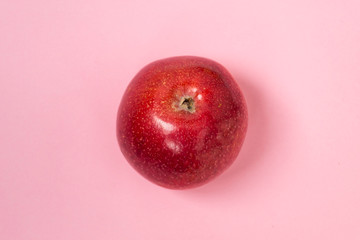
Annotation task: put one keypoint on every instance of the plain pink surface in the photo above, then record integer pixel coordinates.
(65, 64)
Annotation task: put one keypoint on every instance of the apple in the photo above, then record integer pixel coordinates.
(182, 121)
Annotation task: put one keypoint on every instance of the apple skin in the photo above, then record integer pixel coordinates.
(182, 121)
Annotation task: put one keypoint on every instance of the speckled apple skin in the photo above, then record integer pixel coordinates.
(175, 148)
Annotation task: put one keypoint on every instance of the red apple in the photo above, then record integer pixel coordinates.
(182, 121)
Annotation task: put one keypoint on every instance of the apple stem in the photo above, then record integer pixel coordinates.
(187, 104)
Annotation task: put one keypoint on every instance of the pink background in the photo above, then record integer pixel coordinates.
(65, 64)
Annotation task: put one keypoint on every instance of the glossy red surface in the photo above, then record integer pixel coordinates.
(182, 121)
